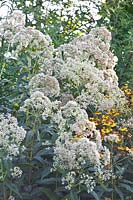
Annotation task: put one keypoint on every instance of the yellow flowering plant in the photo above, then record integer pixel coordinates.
(116, 130)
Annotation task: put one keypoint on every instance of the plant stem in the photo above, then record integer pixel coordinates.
(113, 189)
(4, 190)
(31, 152)
(3, 179)
(79, 193)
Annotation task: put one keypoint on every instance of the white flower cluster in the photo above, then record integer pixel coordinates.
(97, 45)
(74, 154)
(88, 181)
(70, 179)
(11, 136)
(75, 6)
(87, 63)
(49, 85)
(13, 24)
(16, 172)
(72, 110)
(83, 70)
(67, 115)
(37, 104)
(129, 123)
(78, 147)
(13, 31)
(87, 129)
(105, 175)
(111, 138)
(85, 179)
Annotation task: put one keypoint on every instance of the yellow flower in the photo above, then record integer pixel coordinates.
(92, 119)
(116, 114)
(110, 123)
(128, 92)
(131, 150)
(119, 139)
(131, 100)
(123, 129)
(124, 87)
(97, 113)
(113, 112)
(123, 148)
(106, 130)
(95, 120)
(78, 136)
(105, 117)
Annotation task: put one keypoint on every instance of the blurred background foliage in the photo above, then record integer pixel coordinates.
(61, 19)
(117, 16)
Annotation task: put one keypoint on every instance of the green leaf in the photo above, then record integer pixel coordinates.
(47, 181)
(50, 194)
(73, 195)
(46, 172)
(119, 192)
(127, 181)
(13, 188)
(39, 159)
(94, 194)
(127, 187)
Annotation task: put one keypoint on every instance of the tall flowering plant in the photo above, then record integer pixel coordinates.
(72, 97)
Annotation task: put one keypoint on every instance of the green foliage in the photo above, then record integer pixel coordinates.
(62, 27)
(117, 15)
